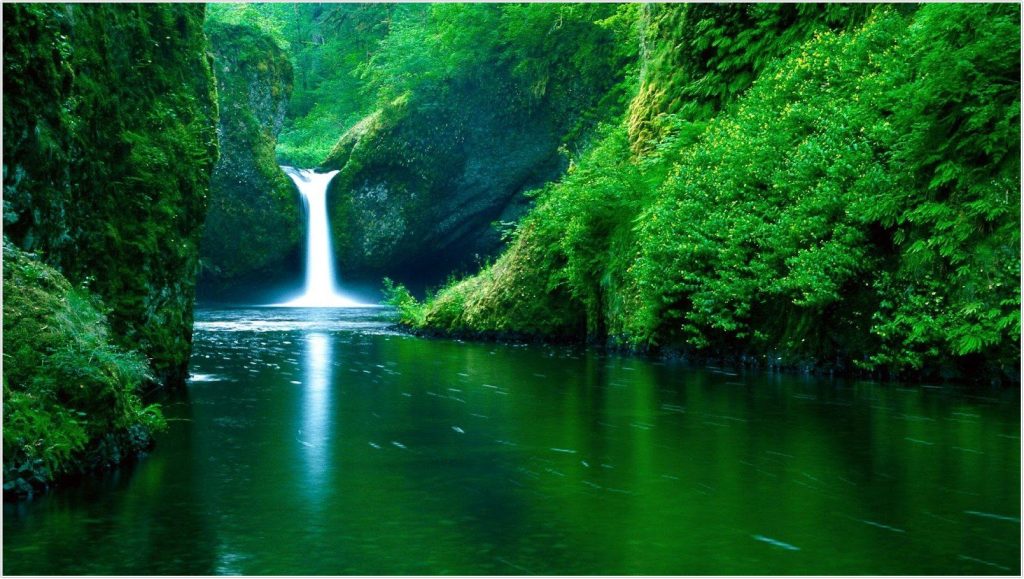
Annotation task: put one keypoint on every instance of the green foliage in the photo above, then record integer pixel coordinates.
(840, 186)
(66, 388)
(330, 42)
(353, 59)
(952, 200)
(246, 17)
(586, 214)
(563, 57)
(327, 45)
(699, 57)
(409, 308)
(755, 216)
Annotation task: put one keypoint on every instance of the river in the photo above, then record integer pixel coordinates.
(321, 442)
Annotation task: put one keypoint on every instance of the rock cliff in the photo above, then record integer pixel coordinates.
(255, 216)
(420, 187)
(109, 140)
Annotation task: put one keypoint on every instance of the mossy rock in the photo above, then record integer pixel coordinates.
(255, 216)
(423, 179)
(109, 140)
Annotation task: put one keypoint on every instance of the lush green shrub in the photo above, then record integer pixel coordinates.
(858, 205)
(71, 399)
(754, 223)
(859, 171)
(952, 197)
(699, 57)
(409, 308)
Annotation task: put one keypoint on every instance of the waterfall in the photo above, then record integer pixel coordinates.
(321, 286)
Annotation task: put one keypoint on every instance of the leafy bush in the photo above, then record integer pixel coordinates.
(701, 57)
(952, 197)
(409, 308)
(856, 203)
(70, 397)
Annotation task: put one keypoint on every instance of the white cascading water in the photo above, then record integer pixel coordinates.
(321, 288)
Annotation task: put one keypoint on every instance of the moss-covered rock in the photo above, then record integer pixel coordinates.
(254, 221)
(515, 297)
(420, 186)
(109, 140)
(70, 396)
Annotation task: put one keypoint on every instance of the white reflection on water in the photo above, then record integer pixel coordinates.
(314, 437)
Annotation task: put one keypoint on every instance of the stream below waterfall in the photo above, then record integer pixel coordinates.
(318, 441)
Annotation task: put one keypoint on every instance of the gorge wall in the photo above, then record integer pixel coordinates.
(254, 224)
(109, 141)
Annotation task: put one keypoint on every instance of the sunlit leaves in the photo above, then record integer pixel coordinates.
(851, 192)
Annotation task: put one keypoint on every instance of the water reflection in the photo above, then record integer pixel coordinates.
(315, 433)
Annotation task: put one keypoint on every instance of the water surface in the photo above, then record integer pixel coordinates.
(320, 442)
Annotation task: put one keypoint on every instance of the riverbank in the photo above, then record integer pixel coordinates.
(768, 361)
(796, 217)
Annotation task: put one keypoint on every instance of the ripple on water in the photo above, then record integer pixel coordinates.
(292, 320)
(287, 325)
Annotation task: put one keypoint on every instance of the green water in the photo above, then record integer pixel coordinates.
(321, 443)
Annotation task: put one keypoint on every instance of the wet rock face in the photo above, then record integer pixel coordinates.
(254, 220)
(109, 140)
(421, 187)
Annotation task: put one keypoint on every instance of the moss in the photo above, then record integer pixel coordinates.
(109, 140)
(70, 396)
(359, 135)
(423, 178)
(254, 217)
(520, 294)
